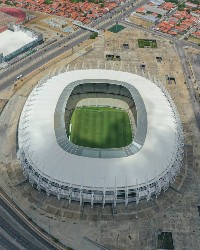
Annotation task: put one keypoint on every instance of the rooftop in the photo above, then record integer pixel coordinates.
(11, 41)
(97, 171)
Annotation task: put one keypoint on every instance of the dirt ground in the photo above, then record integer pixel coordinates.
(174, 211)
(39, 24)
(5, 19)
(140, 21)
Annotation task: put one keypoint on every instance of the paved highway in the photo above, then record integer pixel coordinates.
(10, 238)
(16, 233)
(42, 56)
(10, 235)
(187, 73)
(179, 44)
(163, 35)
(6, 242)
(42, 52)
(29, 65)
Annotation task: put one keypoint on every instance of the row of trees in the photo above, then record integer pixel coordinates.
(172, 1)
(9, 3)
(195, 2)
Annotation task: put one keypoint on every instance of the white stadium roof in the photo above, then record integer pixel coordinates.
(47, 158)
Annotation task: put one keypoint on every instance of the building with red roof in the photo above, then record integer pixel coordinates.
(67, 8)
(196, 34)
(167, 6)
(141, 10)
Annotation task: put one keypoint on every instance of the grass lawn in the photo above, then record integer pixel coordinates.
(116, 28)
(100, 127)
(147, 43)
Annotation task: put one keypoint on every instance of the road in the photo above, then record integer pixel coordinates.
(15, 232)
(179, 44)
(12, 237)
(6, 242)
(163, 35)
(29, 65)
(50, 52)
(187, 73)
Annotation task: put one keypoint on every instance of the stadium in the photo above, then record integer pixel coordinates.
(64, 124)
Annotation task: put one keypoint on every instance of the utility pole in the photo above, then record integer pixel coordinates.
(11, 192)
(49, 227)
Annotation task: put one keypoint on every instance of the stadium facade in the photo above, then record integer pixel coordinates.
(138, 171)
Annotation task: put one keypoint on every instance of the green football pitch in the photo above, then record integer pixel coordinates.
(100, 127)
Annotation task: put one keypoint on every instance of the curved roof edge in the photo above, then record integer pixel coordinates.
(68, 146)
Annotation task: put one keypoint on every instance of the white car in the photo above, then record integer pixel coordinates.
(20, 76)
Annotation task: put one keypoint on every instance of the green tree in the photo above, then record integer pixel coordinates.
(47, 1)
(181, 6)
(93, 35)
(195, 2)
(8, 3)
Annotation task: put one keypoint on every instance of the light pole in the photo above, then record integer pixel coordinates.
(11, 192)
(49, 227)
